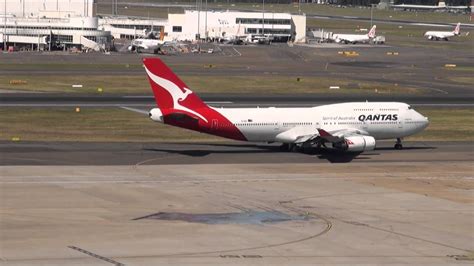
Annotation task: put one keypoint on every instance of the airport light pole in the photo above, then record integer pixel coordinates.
(263, 17)
(198, 8)
(5, 27)
(371, 14)
(205, 23)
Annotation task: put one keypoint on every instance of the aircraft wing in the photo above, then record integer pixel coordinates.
(340, 135)
(300, 135)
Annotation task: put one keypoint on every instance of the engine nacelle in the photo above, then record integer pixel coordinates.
(356, 144)
(156, 115)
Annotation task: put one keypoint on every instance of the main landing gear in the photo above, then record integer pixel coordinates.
(289, 147)
(398, 145)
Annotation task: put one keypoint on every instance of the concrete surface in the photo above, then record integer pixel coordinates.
(98, 153)
(365, 213)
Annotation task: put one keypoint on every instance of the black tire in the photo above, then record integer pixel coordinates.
(398, 146)
(285, 147)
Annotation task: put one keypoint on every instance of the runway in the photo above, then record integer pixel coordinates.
(228, 100)
(83, 153)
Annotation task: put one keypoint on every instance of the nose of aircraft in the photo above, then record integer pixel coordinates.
(423, 120)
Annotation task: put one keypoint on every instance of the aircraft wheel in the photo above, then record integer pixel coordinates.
(398, 145)
(294, 148)
(285, 147)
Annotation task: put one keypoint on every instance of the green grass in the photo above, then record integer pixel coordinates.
(447, 124)
(113, 124)
(313, 9)
(464, 80)
(91, 124)
(137, 84)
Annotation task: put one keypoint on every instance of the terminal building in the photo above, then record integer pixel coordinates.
(63, 24)
(51, 24)
(193, 25)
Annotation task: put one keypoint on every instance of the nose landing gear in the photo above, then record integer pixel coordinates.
(398, 145)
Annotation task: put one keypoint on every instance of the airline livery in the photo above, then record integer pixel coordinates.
(351, 127)
(443, 35)
(354, 38)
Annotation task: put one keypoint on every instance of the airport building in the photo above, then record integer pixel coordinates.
(216, 24)
(121, 27)
(192, 25)
(51, 24)
(62, 24)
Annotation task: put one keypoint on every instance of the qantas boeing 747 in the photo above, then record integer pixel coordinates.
(348, 127)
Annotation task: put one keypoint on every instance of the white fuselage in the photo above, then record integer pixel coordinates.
(350, 38)
(380, 120)
(439, 34)
(149, 44)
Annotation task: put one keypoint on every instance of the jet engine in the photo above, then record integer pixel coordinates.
(156, 115)
(356, 144)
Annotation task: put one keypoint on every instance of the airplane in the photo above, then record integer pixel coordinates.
(354, 38)
(352, 127)
(443, 35)
(441, 6)
(150, 43)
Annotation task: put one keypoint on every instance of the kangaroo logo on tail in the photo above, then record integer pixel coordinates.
(371, 33)
(176, 93)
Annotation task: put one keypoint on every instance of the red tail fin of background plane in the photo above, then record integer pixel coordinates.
(371, 33)
(457, 30)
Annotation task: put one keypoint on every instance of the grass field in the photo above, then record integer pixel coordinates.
(309, 9)
(110, 124)
(136, 84)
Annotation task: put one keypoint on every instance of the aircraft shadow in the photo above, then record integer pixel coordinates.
(202, 152)
(406, 148)
(329, 155)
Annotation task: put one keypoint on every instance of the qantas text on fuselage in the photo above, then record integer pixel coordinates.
(352, 127)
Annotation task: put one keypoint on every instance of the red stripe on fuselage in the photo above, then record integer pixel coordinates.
(216, 124)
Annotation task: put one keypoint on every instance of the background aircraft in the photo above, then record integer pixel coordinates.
(150, 43)
(354, 38)
(443, 35)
